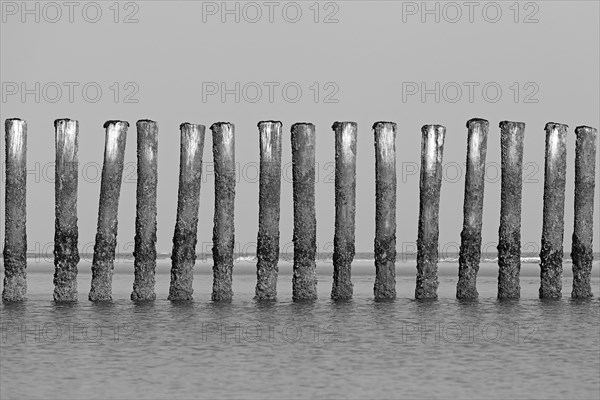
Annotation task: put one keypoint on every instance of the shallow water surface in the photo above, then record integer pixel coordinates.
(246, 349)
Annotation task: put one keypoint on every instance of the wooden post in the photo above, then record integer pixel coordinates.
(145, 212)
(432, 151)
(269, 208)
(583, 232)
(509, 233)
(15, 236)
(66, 254)
(183, 256)
(470, 245)
(385, 210)
(345, 209)
(110, 190)
(223, 230)
(304, 282)
(551, 253)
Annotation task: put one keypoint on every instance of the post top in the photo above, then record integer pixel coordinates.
(145, 121)
(307, 125)
(520, 125)
(555, 125)
(115, 122)
(477, 121)
(339, 124)
(15, 124)
(585, 129)
(269, 121)
(383, 124)
(65, 120)
(191, 126)
(221, 125)
(436, 127)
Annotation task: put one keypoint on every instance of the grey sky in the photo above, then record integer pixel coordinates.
(361, 61)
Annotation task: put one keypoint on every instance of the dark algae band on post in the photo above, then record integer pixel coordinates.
(509, 233)
(145, 211)
(583, 229)
(183, 256)
(267, 249)
(110, 191)
(345, 208)
(66, 254)
(223, 134)
(304, 281)
(551, 253)
(385, 210)
(15, 212)
(432, 151)
(470, 245)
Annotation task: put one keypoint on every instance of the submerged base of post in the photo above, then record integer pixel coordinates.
(342, 288)
(267, 267)
(551, 275)
(583, 257)
(509, 280)
(469, 258)
(101, 289)
(427, 280)
(385, 269)
(65, 285)
(305, 283)
(145, 289)
(15, 287)
(182, 274)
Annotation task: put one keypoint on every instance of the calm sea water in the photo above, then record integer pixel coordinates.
(245, 349)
